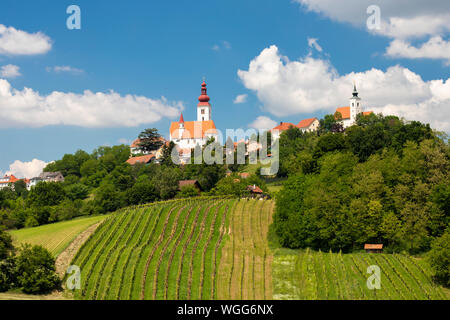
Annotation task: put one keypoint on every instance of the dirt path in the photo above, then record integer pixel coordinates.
(64, 259)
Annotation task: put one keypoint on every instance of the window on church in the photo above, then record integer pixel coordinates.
(203, 118)
(203, 111)
(353, 104)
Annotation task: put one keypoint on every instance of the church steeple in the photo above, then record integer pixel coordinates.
(204, 107)
(355, 104)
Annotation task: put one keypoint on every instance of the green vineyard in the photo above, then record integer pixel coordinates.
(179, 250)
(218, 248)
(309, 275)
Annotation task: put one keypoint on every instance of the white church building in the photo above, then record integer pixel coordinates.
(187, 134)
(349, 113)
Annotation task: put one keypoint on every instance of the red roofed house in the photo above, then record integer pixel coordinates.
(134, 148)
(280, 128)
(7, 181)
(349, 113)
(142, 159)
(187, 134)
(309, 125)
(255, 191)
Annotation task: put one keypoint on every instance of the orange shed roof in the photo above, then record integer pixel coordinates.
(368, 246)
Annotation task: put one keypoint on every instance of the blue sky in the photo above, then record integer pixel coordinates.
(157, 49)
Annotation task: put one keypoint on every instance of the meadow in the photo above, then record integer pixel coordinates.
(54, 237)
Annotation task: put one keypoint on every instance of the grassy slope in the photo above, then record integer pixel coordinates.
(306, 274)
(55, 237)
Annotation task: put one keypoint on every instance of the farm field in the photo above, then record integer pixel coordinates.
(57, 236)
(310, 275)
(185, 249)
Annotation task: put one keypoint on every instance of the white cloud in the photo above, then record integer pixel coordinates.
(27, 169)
(312, 43)
(242, 98)
(10, 71)
(310, 85)
(400, 20)
(435, 48)
(263, 123)
(28, 108)
(67, 69)
(18, 42)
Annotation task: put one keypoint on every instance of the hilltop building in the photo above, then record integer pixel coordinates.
(7, 181)
(349, 113)
(187, 134)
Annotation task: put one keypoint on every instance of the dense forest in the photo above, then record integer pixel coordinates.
(380, 181)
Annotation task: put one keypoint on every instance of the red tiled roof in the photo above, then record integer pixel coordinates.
(11, 179)
(367, 113)
(344, 111)
(284, 126)
(373, 246)
(306, 123)
(136, 143)
(142, 159)
(255, 189)
(244, 175)
(193, 129)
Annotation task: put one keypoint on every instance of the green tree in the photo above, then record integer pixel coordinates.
(35, 270)
(150, 140)
(143, 191)
(188, 192)
(439, 259)
(46, 194)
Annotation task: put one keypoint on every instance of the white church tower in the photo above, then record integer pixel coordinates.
(204, 107)
(355, 105)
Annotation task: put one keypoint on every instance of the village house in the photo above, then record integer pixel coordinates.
(134, 148)
(309, 125)
(51, 176)
(255, 191)
(7, 181)
(142, 159)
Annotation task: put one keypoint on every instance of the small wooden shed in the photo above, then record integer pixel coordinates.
(194, 183)
(373, 248)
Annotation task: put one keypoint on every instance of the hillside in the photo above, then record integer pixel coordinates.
(311, 275)
(55, 237)
(173, 250)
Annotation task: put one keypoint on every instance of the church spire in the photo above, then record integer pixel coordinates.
(355, 92)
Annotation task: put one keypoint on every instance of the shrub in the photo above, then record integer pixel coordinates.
(439, 259)
(35, 270)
